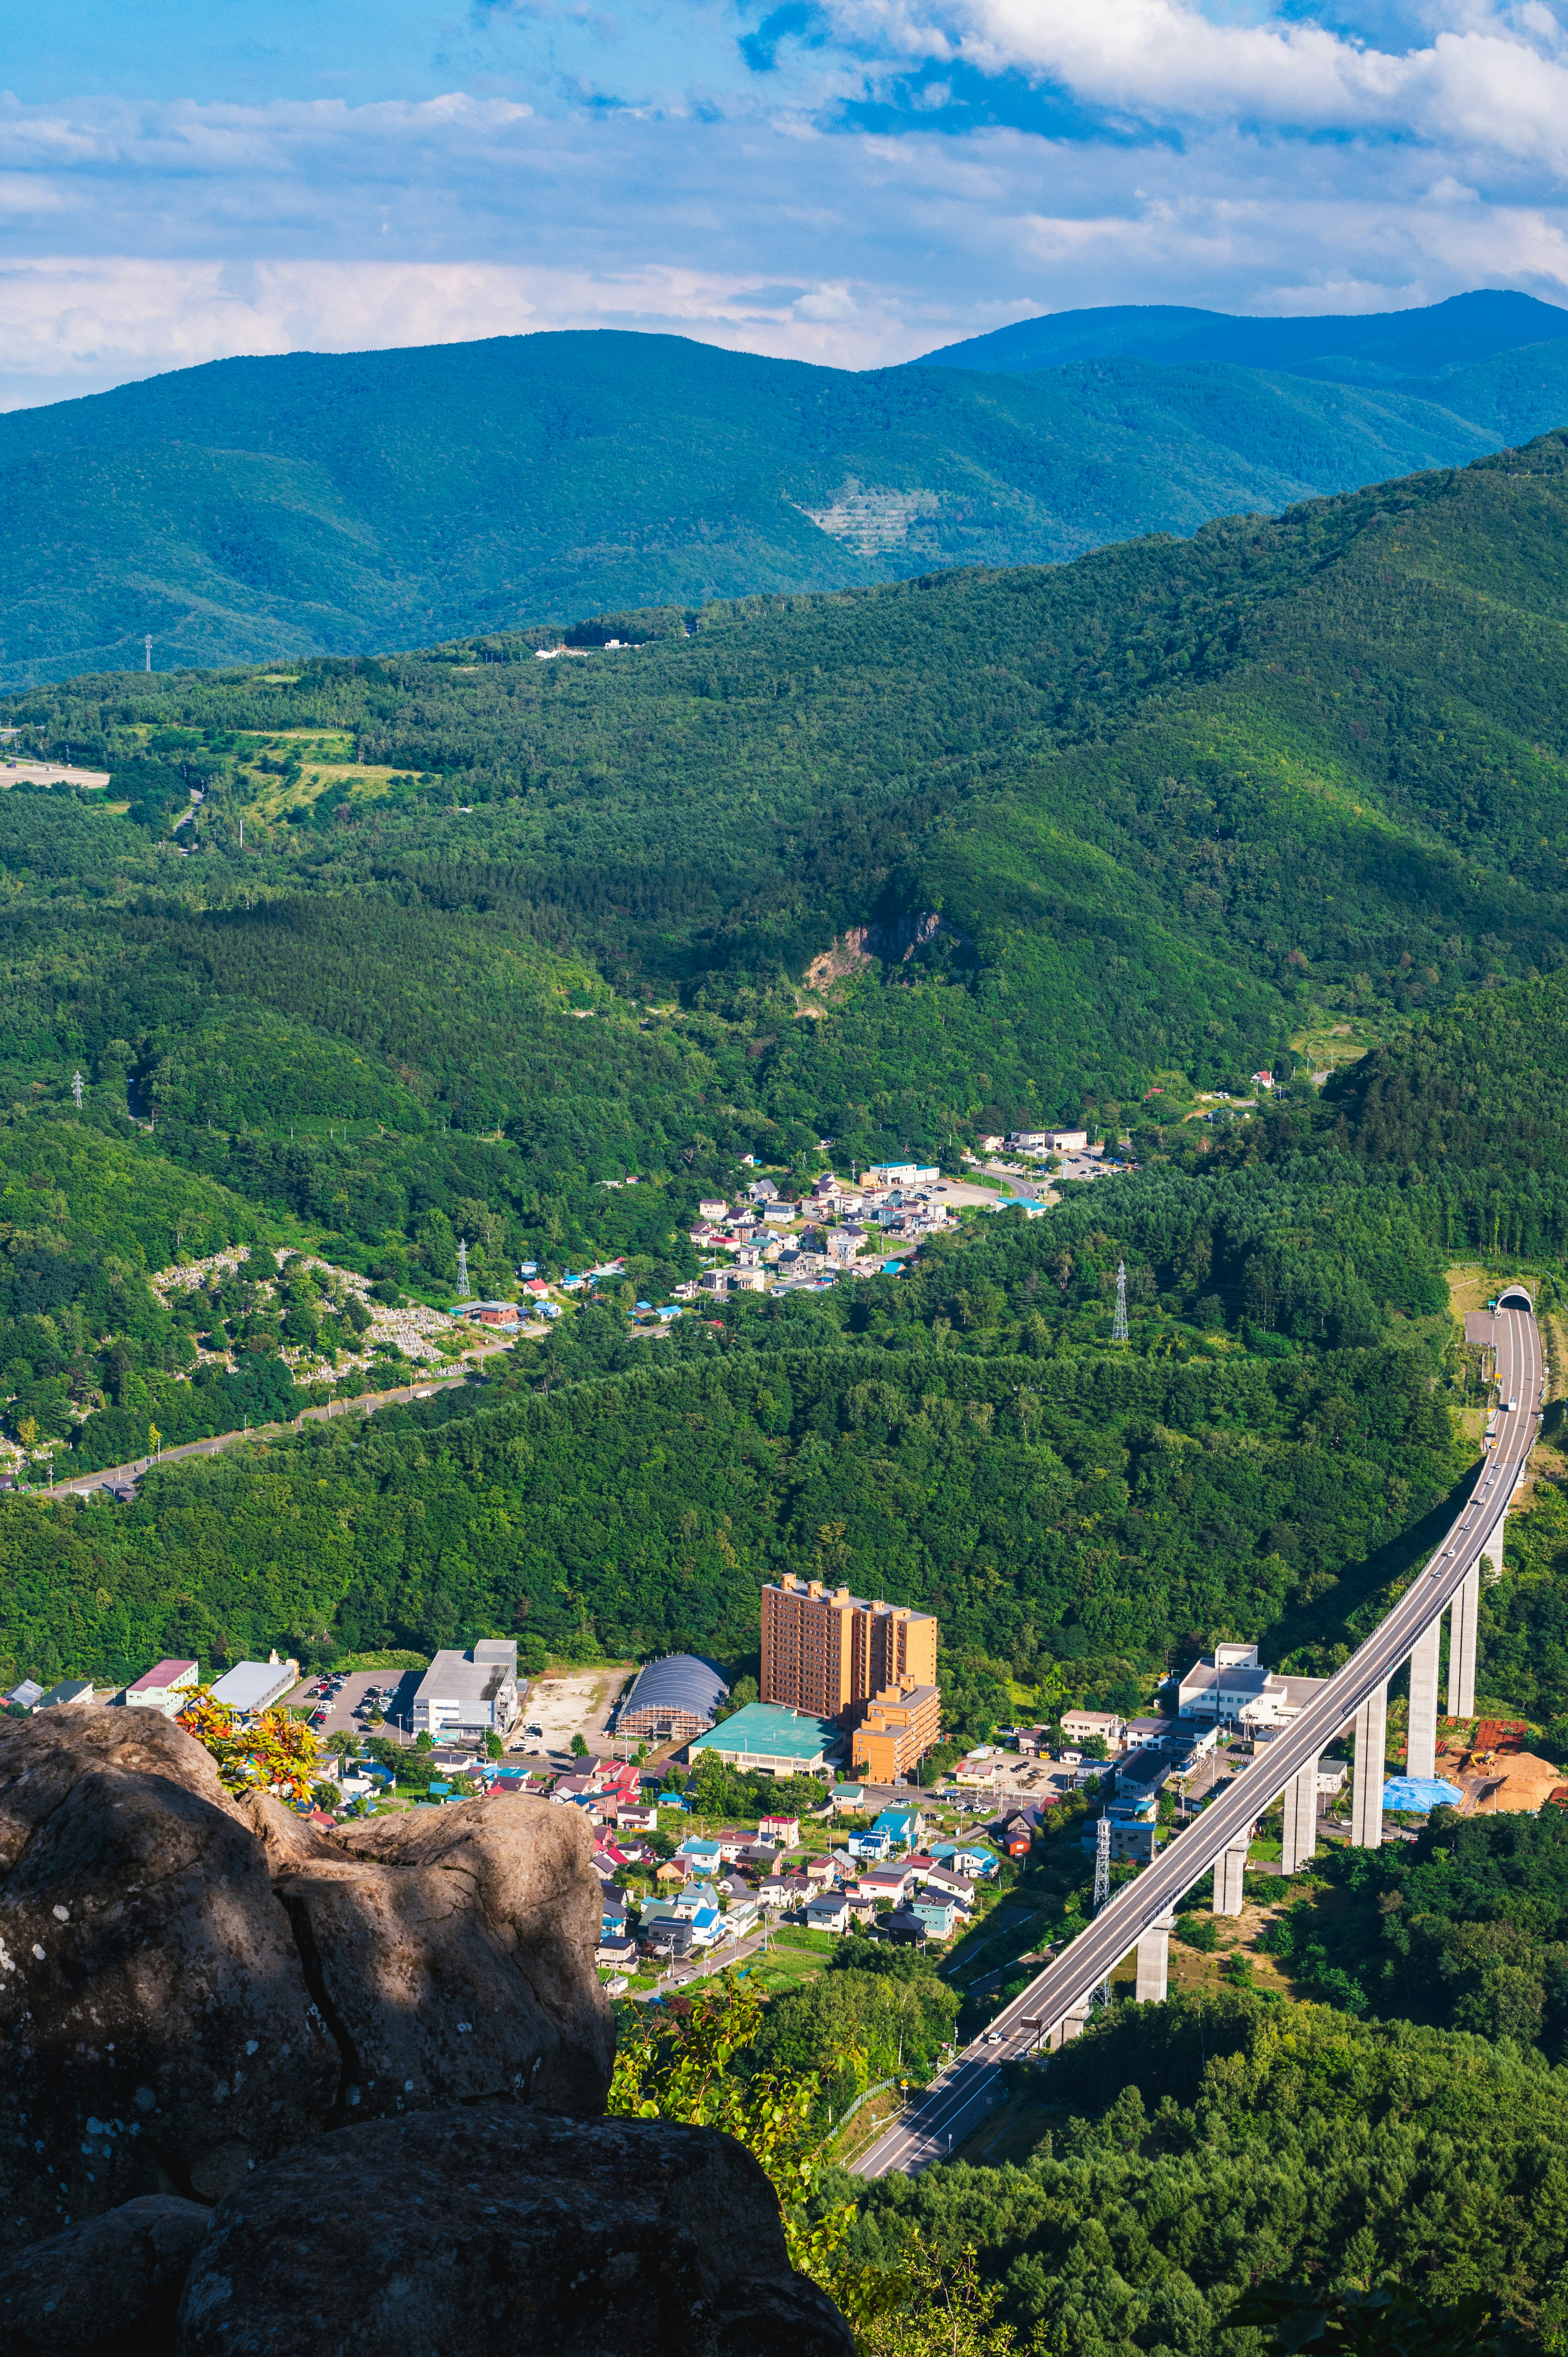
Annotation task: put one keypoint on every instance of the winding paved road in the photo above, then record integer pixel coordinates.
(957, 2102)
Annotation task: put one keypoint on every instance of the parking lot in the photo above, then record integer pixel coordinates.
(396, 1688)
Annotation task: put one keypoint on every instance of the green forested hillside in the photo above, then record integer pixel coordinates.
(341, 504)
(1165, 802)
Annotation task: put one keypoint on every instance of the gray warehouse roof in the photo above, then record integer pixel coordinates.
(680, 1679)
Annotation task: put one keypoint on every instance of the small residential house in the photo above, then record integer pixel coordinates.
(1141, 1732)
(619, 1951)
(167, 1686)
(820, 1872)
(937, 1913)
(71, 1694)
(829, 1912)
(783, 1832)
(902, 1826)
(1082, 1725)
(849, 1799)
(874, 1843)
(904, 1925)
(700, 1857)
(23, 1695)
(885, 1882)
(969, 1858)
(947, 1883)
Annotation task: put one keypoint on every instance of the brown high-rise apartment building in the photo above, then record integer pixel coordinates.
(829, 1652)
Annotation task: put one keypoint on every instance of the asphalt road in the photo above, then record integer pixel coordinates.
(957, 2102)
(83, 1484)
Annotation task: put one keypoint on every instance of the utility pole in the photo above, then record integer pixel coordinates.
(1118, 1325)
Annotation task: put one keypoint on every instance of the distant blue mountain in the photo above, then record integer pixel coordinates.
(1381, 348)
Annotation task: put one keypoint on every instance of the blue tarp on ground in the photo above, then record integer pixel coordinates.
(1420, 1792)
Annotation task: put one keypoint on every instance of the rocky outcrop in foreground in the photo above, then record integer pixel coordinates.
(267, 2090)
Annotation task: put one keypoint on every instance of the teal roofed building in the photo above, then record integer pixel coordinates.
(766, 1737)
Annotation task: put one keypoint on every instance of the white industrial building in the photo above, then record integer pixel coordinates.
(469, 1694)
(1231, 1686)
(251, 1687)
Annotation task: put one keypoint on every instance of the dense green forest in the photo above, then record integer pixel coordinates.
(347, 503)
(1226, 2141)
(1468, 1931)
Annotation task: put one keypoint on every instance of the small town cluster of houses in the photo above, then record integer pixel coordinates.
(772, 1244)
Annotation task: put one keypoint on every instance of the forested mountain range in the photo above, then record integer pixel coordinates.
(1389, 348)
(1165, 803)
(348, 503)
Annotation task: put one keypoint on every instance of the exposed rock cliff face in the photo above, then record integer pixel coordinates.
(109, 2287)
(507, 2229)
(156, 2034)
(451, 1953)
(196, 1994)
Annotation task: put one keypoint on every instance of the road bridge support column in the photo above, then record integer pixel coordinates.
(1492, 1555)
(1367, 1789)
(1068, 2026)
(1299, 1841)
(1229, 1869)
(1461, 1616)
(1421, 1746)
(1154, 1952)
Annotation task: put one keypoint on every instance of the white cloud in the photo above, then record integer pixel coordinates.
(1492, 82)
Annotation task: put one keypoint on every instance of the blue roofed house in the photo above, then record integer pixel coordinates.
(700, 1856)
(902, 1826)
(876, 1843)
(967, 1857)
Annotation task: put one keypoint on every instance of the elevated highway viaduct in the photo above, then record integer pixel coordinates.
(1056, 2003)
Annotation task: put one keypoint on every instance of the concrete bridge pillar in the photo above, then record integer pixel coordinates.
(1154, 1952)
(1228, 1868)
(1367, 1789)
(1492, 1555)
(1420, 1749)
(1299, 1842)
(1461, 1616)
(1068, 2026)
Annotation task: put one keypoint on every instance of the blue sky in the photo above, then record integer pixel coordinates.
(848, 181)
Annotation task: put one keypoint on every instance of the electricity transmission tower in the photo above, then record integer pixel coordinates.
(147, 650)
(1103, 1888)
(1119, 1329)
(462, 1263)
(76, 1088)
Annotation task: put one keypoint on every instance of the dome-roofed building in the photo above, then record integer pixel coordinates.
(673, 1699)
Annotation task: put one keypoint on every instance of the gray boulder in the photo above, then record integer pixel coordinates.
(500, 2227)
(108, 2287)
(156, 2034)
(451, 1952)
